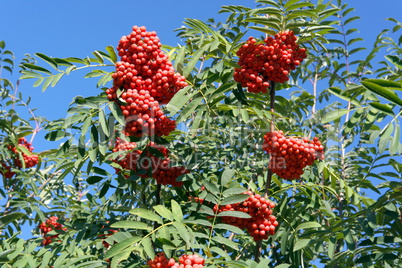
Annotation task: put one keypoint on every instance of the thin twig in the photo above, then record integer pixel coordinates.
(258, 248)
(272, 129)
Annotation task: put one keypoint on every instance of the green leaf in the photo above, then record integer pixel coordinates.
(104, 189)
(179, 100)
(13, 216)
(302, 243)
(295, 14)
(176, 210)
(283, 265)
(60, 259)
(383, 92)
(94, 179)
(46, 84)
(164, 212)
(307, 225)
(354, 40)
(85, 126)
(56, 79)
(147, 244)
(56, 135)
(103, 122)
(395, 60)
(269, 2)
(385, 137)
(338, 92)
(98, 56)
(237, 198)
(334, 115)
(112, 53)
(356, 50)
(189, 109)
(351, 19)
(236, 214)
(76, 60)
(195, 58)
(211, 187)
(131, 225)
(116, 111)
(239, 94)
(4, 253)
(270, 22)
(290, 2)
(267, 10)
(231, 191)
(385, 83)
(225, 241)
(264, 263)
(227, 176)
(104, 80)
(165, 241)
(229, 227)
(182, 231)
(146, 214)
(382, 107)
(395, 140)
(292, 7)
(264, 30)
(37, 68)
(119, 247)
(77, 260)
(94, 73)
(49, 60)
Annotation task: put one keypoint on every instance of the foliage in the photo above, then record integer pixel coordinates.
(345, 211)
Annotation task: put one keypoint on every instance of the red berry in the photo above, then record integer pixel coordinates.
(290, 155)
(269, 61)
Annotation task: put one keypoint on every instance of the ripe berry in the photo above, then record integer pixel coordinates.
(144, 80)
(261, 224)
(19, 159)
(269, 61)
(49, 225)
(146, 164)
(289, 156)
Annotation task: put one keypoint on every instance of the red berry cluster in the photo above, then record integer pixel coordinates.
(146, 79)
(261, 224)
(269, 61)
(128, 159)
(157, 167)
(190, 261)
(169, 175)
(290, 155)
(185, 261)
(50, 225)
(30, 160)
(6, 171)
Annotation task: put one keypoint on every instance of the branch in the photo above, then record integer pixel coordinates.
(258, 248)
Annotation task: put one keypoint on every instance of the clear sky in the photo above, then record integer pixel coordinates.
(77, 28)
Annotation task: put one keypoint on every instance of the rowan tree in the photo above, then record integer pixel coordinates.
(268, 139)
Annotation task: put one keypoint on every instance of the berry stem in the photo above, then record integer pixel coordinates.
(272, 104)
(158, 200)
(258, 245)
(258, 249)
(272, 129)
